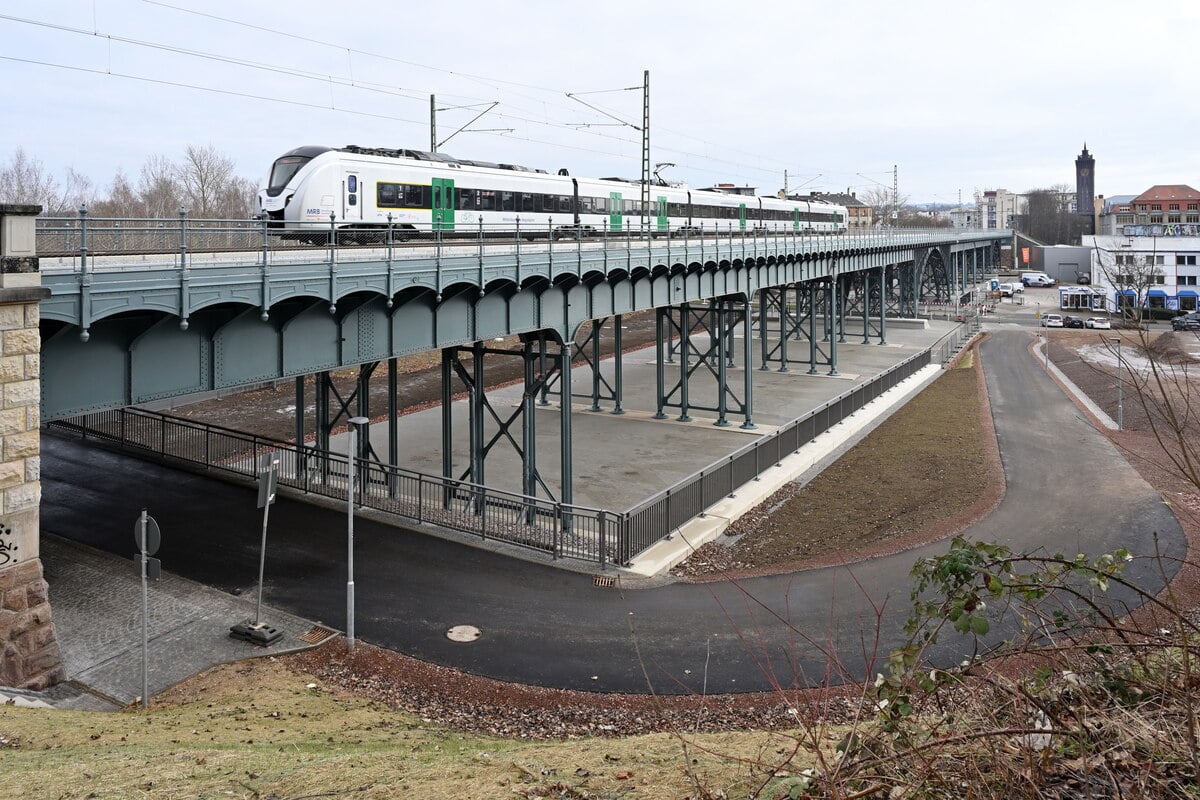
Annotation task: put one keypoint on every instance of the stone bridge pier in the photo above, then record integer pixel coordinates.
(29, 651)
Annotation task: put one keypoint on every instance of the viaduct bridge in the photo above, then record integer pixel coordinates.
(125, 318)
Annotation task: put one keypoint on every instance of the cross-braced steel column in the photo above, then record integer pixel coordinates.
(588, 351)
(481, 442)
(791, 324)
(715, 356)
(331, 406)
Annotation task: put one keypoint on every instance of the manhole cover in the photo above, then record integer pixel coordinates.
(463, 633)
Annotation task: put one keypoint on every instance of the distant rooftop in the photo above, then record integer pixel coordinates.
(1165, 192)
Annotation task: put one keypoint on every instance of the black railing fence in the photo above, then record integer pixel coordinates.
(559, 530)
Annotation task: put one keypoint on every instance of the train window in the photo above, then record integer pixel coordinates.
(487, 200)
(586, 205)
(530, 202)
(601, 204)
(352, 199)
(284, 170)
(507, 201)
(352, 183)
(387, 195)
(564, 203)
(466, 199)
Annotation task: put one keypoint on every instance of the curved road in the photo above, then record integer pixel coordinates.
(1068, 489)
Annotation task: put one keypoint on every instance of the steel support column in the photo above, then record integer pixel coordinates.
(747, 373)
(565, 443)
(618, 367)
(831, 295)
(719, 321)
(447, 423)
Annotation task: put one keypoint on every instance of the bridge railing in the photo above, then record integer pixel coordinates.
(661, 515)
(84, 242)
(560, 530)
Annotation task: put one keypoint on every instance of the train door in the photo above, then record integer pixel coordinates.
(660, 208)
(741, 216)
(351, 197)
(443, 204)
(615, 207)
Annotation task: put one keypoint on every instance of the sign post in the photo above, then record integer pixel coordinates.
(147, 536)
(257, 631)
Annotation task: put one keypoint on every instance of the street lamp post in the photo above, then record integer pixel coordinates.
(1120, 400)
(355, 422)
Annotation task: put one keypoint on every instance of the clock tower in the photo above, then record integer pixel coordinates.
(1085, 189)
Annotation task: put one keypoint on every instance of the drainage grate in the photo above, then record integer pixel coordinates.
(316, 635)
(604, 581)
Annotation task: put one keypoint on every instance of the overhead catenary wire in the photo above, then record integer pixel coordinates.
(686, 157)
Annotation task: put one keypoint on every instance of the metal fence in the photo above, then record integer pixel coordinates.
(557, 529)
(83, 242)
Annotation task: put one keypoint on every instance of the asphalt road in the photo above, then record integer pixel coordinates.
(1068, 489)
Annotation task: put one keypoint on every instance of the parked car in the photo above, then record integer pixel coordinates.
(1083, 278)
(1072, 322)
(1036, 279)
(1099, 323)
(1052, 321)
(1188, 322)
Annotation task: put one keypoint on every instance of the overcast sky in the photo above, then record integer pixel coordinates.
(961, 96)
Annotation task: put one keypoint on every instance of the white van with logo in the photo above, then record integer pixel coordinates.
(1037, 279)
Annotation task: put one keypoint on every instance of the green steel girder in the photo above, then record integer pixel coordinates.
(114, 338)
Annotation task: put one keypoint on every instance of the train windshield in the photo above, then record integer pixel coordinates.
(284, 170)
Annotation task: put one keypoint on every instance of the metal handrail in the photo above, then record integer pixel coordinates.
(254, 241)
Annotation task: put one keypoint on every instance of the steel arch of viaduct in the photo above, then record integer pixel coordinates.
(114, 338)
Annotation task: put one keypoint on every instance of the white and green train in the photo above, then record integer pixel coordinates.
(364, 189)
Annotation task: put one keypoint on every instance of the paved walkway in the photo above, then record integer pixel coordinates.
(547, 627)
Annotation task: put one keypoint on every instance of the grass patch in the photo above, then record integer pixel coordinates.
(257, 730)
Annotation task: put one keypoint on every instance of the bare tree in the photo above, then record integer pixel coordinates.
(1048, 217)
(1132, 275)
(205, 176)
(237, 201)
(25, 180)
(122, 200)
(161, 195)
(77, 191)
(887, 209)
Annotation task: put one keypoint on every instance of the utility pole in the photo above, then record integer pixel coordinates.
(646, 152)
(432, 123)
(895, 194)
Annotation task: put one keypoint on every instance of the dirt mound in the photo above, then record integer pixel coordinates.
(1175, 347)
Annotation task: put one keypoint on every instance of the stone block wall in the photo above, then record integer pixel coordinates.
(29, 651)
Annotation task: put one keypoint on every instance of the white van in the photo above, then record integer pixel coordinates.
(1036, 279)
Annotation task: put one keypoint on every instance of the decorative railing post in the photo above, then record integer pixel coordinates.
(183, 259)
